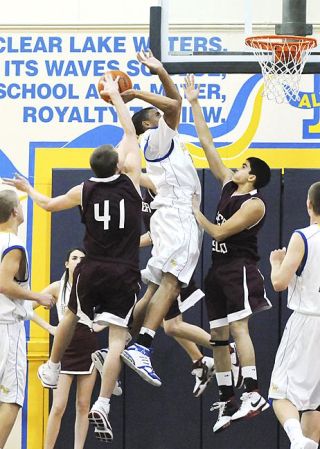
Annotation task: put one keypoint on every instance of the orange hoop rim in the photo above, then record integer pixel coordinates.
(272, 42)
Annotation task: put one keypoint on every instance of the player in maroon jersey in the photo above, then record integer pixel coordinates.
(234, 286)
(107, 279)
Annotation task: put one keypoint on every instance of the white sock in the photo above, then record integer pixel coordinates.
(53, 365)
(293, 429)
(224, 378)
(145, 330)
(249, 371)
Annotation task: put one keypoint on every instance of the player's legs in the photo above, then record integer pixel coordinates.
(85, 384)
(140, 309)
(63, 335)
(161, 301)
(310, 423)
(8, 416)
(190, 348)
(285, 410)
(112, 364)
(227, 405)
(99, 412)
(137, 356)
(13, 369)
(48, 373)
(252, 403)
(179, 329)
(289, 418)
(60, 400)
(240, 332)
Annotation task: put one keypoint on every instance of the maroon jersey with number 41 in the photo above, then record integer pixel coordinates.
(111, 213)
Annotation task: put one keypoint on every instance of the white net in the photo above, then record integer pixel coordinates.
(282, 59)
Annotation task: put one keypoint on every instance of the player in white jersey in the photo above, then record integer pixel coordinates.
(175, 233)
(15, 307)
(295, 380)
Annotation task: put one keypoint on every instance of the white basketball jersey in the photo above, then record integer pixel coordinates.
(13, 310)
(170, 168)
(304, 289)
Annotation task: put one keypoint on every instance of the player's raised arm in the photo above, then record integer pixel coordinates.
(128, 149)
(70, 199)
(217, 167)
(170, 104)
(284, 264)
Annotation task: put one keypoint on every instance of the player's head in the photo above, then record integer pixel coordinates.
(104, 161)
(145, 118)
(10, 207)
(313, 201)
(261, 170)
(255, 171)
(73, 257)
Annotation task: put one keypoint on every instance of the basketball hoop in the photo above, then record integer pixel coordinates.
(282, 59)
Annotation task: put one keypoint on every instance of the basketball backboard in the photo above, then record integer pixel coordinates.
(208, 36)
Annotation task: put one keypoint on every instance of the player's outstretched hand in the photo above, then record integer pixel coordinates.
(46, 300)
(128, 95)
(191, 92)
(19, 182)
(277, 255)
(147, 58)
(110, 85)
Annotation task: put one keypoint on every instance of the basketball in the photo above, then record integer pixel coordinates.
(124, 83)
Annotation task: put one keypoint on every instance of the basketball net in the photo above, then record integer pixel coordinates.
(282, 59)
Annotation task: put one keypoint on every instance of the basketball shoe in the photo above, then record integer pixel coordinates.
(251, 405)
(304, 443)
(98, 416)
(137, 357)
(226, 411)
(203, 370)
(98, 358)
(235, 366)
(49, 375)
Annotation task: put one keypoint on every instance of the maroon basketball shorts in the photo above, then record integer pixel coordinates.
(104, 291)
(234, 289)
(188, 297)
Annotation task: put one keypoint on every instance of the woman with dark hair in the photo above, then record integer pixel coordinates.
(76, 361)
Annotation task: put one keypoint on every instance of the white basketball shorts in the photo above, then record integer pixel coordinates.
(296, 372)
(13, 363)
(177, 240)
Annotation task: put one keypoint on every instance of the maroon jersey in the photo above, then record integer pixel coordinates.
(147, 212)
(111, 212)
(243, 244)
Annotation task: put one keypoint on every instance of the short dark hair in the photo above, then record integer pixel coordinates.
(140, 117)
(314, 197)
(261, 170)
(8, 201)
(103, 161)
